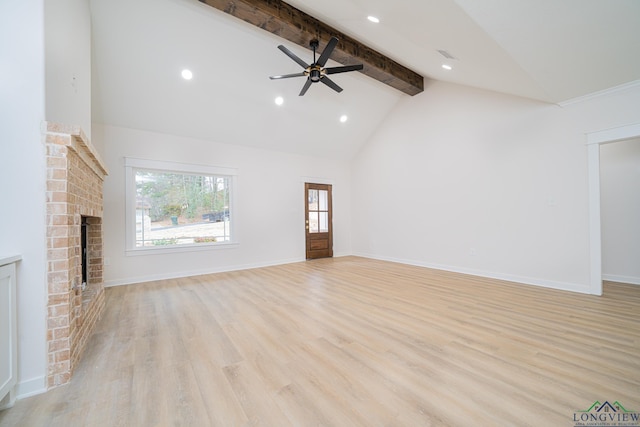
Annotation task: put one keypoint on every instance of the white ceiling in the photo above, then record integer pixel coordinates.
(548, 50)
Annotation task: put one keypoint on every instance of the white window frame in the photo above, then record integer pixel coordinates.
(132, 164)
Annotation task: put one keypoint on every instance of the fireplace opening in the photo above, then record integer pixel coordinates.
(84, 230)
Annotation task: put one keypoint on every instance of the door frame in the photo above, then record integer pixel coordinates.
(325, 238)
(594, 140)
(316, 180)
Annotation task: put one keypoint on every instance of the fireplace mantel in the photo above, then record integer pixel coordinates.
(75, 139)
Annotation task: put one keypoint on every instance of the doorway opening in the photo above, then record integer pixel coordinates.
(594, 140)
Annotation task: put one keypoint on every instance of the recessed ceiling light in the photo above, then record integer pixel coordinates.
(343, 118)
(187, 74)
(447, 67)
(279, 100)
(373, 19)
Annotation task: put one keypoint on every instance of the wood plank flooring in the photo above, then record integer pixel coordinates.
(348, 342)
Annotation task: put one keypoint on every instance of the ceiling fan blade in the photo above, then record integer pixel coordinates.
(335, 70)
(306, 86)
(286, 76)
(331, 84)
(326, 53)
(293, 56)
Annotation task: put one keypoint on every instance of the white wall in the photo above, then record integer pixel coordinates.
(22, 178)
(620, 210)
(68, 63)
(269, 204)
(473, 181)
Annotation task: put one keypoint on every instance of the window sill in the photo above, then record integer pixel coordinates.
(181, 248)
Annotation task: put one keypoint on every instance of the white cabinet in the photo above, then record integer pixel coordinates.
(8, 332)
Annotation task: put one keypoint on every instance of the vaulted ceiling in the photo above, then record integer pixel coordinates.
(547, 50)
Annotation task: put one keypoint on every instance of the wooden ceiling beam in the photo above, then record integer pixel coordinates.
(292, 24)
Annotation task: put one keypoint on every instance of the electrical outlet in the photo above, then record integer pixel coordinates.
(107, 261)
(472, 252)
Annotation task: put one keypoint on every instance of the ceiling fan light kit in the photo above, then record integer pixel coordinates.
(316, 72)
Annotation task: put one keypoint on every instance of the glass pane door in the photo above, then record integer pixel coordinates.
(319, 236)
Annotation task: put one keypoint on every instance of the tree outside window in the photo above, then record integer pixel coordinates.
(181, 209)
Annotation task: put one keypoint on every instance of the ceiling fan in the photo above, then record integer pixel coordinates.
(316, 72)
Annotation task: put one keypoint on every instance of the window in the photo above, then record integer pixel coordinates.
(172, 205)
(318, 211)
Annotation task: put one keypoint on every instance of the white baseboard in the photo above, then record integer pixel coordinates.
(562, 286)
(621, 279)
(31, 387)
(180, 274)
(6, 402)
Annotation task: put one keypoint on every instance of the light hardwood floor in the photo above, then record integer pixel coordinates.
(348, 342)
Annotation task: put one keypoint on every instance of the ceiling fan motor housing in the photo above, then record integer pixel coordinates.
(315, 75)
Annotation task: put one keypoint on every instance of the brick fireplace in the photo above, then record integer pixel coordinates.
(75, 175)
